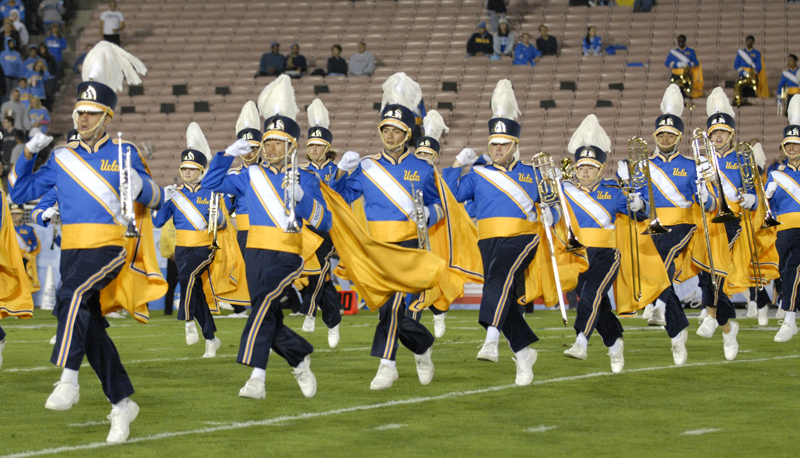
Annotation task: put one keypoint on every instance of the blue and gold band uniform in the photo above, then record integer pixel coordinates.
(503, 199)
(268, 245)
(188, 210)
(790, 81)
(238, 206)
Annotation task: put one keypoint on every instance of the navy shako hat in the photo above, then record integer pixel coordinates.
(669, 123)
(398, 116)
(249, 134)
(248, 123)
(193, 157)
(720, 112)
(791, 133)
(197, 152)
(721, 121)
(319, 135)
(504, 128)
(590, 143)
(590, 155)
(278, 106)
(671, 111)
(96, 97)
(105, 68)
(281, 128)
(434, 127)
(428, 145)
(401, 95)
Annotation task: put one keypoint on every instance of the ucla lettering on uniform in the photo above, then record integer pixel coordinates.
(732, 166)
(409, 176)
(105, 166)
(202, 201)
(603, 195)
(679, 172)
(525, 178)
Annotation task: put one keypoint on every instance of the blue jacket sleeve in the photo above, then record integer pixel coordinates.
(163, 215)
(26, 185)
(218, 180)
(151, 195)
(349, 186)
(463, 188)
(431, 198)
(46, 202)
(312, 206)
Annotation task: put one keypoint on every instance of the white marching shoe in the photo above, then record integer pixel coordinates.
(64, 396)
(786, 332)
(618, 358)
(763, 316)
(576, 351)
(121, 420)
(648, 312)
(309, 323)
(525, 359)
(253, 389)
(752, 310)
(191, 334)
(439, 326)
(305, 378)
(708, 327)
(424, 366)
(679, 353)
(53, 340)
(657, 318)
(730, 345)
(211, 347)
(488, 352)
(385, 377)
(702, 317)
(780, 314)
(333, 336)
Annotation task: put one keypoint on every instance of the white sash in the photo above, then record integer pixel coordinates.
(273, 203)
(743, 54)
(508, 186)
(390, 187)
(680, 56)
(787, 183)
(791, 77)
(667, 187)
(191, 212)
(728, 188)
(91, 181)
(588, 204)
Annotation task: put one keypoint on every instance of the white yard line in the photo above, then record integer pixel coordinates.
(389, 426)
(698, 432)
(365, 407)
(540, 429)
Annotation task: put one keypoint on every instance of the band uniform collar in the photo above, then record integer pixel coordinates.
(97, 145)
(391, 160)
(658, 154)
(505, 169)
(193, 188)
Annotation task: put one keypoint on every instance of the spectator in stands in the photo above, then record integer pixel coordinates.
(7, 138)
(24, 93)
(272, 63)
(16, 110)
(497, 10)
(337, 66)
(9, 33)
(789, 79)
(642, 6)
(33, 56)
(24, 37)
(525, 53)
(503, 40)
(546, 44)
(7, 6)
(295, 63)
(480, 43)
(362, 62)
(56, 44)
(50, 60)
(37, 78)
(52, 12)
(19, 146)
(38, 115)
(11, 62)
(112, 22)
(591, 44)
(78, 66)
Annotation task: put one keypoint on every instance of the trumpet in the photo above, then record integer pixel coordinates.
(419, 219)
(213, 217)
(639, 168)
(291, 178)
(126, 189)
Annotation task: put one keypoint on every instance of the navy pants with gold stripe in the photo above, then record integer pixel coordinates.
(669, 246)
(594, 306)
(394, 323)
(320, 292)
(504, 262)
(712, 296)
(2, 334)
(192, 263)
(265, 328)
(81, 325)
(788, 246)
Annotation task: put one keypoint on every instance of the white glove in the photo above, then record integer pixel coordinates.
(427, 215)
(770, 191)
(681, 64)
(556, 174)
(466, 157)
(239, 148)
(704, 167)
(702, 193)
(169, 192)
(38, 142)
(136, 183)
(547, 217)
(349, 161)
(748, 201)
(636, 203)
(298, 192)
(48, 214)
(622, 170)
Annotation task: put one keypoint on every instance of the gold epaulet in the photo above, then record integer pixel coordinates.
(180, 187)
(373, 156)
(782, 167)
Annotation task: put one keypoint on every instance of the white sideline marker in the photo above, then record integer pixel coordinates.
(390, 426)
(698, 432)
(540, 429)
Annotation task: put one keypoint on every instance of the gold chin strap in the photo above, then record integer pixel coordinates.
(397, 146)
(783, 148)
(673, 145)
(99, 123)
(322, 157)
(594, 181)
(513, 144)
(263, 153)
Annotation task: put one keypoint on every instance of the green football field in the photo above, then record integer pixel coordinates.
(189, 405)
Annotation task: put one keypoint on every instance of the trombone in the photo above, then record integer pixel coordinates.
(549, 186)
(126, 189)
(213, 217)
(701, 150)
(291, 178)
(751, 179)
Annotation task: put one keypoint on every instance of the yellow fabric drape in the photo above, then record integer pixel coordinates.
(32, 268)
(15, 286)
(695, 256)
(226, 275)
(697, 80)
(742, 275)
(761, 77)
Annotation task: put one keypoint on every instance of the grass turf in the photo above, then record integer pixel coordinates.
(189, 405)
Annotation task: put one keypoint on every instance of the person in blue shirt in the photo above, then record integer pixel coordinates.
(681, 61)
(748, 65)
(7, 6)
(789, 80)
(11, 62)
(33, 56)
(591, 43)
(39, 115)
(526, 53)
(37, 79)
(503, 40)
(24, 92)
(272, 63)
(56, 44)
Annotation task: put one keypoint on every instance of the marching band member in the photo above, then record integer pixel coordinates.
(686, 70)
(596, 203)
(94, 251)
(783, 192)
(721, 132)
(270, 190)
(789, 81)
(189, 206)
(675, 193)
(320, 292)
(28, 244)
(386, 182)
(752, 79)
(504, 192)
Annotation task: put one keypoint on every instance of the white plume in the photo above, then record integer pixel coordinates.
(758, 155)
(434, 125)
(278, 99)
(672, 103)
(793, 112)
(718, 103)
(197, 141)
(109, 64)
(504, 103)
(248, 118)
(402, 90)
(589, 133)
(318, 114)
